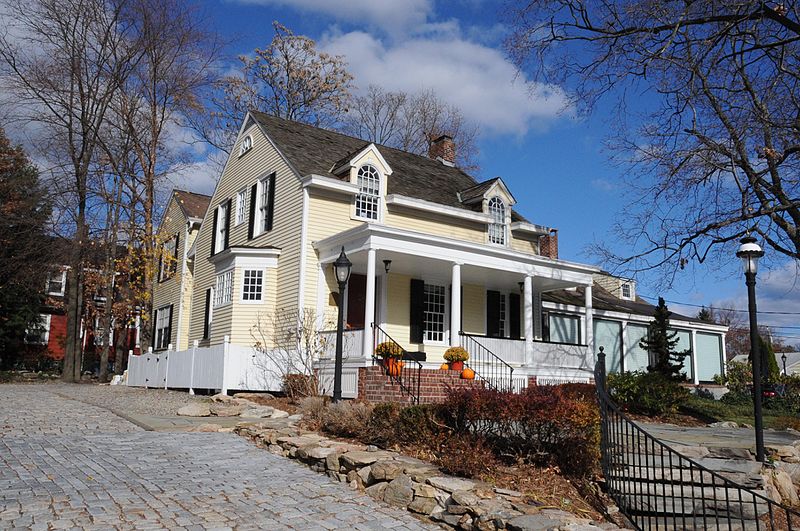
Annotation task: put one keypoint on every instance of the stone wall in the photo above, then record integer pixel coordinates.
(375, 386)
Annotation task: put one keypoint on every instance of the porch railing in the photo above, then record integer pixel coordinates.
(408, 375)
(658, 488)
(488, 367)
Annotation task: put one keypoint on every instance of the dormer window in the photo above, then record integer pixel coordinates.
(369, 189)
(626, 291)
(246, 145)
(497, 226)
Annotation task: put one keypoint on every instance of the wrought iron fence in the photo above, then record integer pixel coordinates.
(406, 372)
(658, 488)
(488, 367)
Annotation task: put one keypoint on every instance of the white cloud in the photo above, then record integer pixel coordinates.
(200, 177)
(390, 15)
(477, 79)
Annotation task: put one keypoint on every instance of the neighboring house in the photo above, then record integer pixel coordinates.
(172, 295)
(792, 361)
(438, 260)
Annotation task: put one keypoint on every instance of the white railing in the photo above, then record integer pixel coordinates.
(352, 340)
(563, 356)
(511, 351)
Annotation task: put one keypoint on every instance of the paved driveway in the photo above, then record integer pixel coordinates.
(68, 465)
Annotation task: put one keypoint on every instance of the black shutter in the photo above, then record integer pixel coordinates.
(252, 221)
(214, 232)
(156, 339)
(168, 334)
(160, 263)
(228, 209)
(175, 258)
(513, 315)
(206, 314)
(271, 201)
(417, 310)
(493, 313)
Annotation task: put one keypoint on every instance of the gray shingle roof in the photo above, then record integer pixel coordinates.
(194, 205)
(312, 150)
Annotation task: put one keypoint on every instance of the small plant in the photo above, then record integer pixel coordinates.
(649, 393)
(455, 354)
(738, 377)
(389, 349)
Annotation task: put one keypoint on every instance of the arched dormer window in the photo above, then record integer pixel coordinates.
(246, 145)
(369, 192)
(497, 227)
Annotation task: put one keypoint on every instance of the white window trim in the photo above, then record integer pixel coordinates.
(258, 224)
(446, 322)
(63, 285)
(263, 283)
(379, 207)
(506, 239)
(241, 207)
(214, 289)
(45, 324)
(219, 237)
(246, 145)
(163, 311)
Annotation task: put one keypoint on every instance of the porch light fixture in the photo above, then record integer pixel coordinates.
(783, 359)
(341, 268)
(749, 252)
(386, 265)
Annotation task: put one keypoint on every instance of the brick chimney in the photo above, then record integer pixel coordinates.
(548, 245)
(443, 148)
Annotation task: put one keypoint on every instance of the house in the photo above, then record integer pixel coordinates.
(438, 260)
(788, 362)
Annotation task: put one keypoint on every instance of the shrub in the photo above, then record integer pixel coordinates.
(648, 393)
(456, 354)
(737, 398)
(347, 419)
(737, 378)
(466, 456)
(297, 386)
(389, 349)
(312, 409)
(702, 392)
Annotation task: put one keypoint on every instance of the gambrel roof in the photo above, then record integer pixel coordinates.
(312, 150)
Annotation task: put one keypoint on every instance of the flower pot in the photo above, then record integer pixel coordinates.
(468, 374)
(456, 365)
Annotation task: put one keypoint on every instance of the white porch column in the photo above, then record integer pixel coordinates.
(455, 305)
(589, 321)
(369, 305)
(527, 310)
(695, 375)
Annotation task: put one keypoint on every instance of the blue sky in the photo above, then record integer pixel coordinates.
(555, 164)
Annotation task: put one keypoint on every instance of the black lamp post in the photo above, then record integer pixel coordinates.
(341, 268)
(750, 252)
(783, 359)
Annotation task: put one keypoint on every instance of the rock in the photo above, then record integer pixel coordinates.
(372, 448)
(364, 474)
(377, 491)
(399, 492)
(205, 428)
(451, 484)
(731, 453)
(332, 461)
(294, 418)
(278, 414)
(222, 409)
(221, 398)
(195, 409)
(725, 424)
(322, 452)
(386, 470)
(692, 452)
(258, 398)
(421, 474)
(532, 522)
(457, 509)
(465, 522)
(450, 519)
(507, 492)
(304, 451)
(465, 497)
(783, 482)
(781, 451)
(423, 491)
(422, 505)
(358, 459)
(257, 412)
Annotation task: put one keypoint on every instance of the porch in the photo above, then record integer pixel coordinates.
(427, 293)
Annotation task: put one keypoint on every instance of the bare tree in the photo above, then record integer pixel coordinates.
(289, 343)
(410, 122)
(64, 61)
(289, 78)
(715, 150)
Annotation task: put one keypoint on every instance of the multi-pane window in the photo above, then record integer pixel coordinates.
(38, 333)
(263, 205)
(497, 226)
(222, 226)
(56, 282)
(434, 312)
(168, 260)
(626, 291)
(252, 285)
(501, 316)
(246, 145)
(369, 190)
(223, 289)
(241, 206)
(163, 331)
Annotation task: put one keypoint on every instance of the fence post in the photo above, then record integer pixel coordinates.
(166, 371)
(600, 373)
(146, 379)
(225, 347)
(191, 371)
(127, 373)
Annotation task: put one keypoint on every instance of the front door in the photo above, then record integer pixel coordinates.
(356, 300)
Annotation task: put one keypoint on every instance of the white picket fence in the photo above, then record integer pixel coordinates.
(223, 367)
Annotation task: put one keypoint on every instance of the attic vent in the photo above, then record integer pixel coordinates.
(443, 149)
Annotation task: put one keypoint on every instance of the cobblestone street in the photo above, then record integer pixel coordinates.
(69, 465)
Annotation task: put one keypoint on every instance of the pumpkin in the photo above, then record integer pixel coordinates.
(468, 374)
(394, 369)
(444, 367)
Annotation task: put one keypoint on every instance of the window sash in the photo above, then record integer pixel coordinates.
(162, 327)
(39, 333)
(56, 283)
(223, 291)
(241, 206)
(222, 216)
(252, 285)
(435, 307)
(369, 189)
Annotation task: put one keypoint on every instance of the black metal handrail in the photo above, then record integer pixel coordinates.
(488, 366)
(658, 488)
(409, 376)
